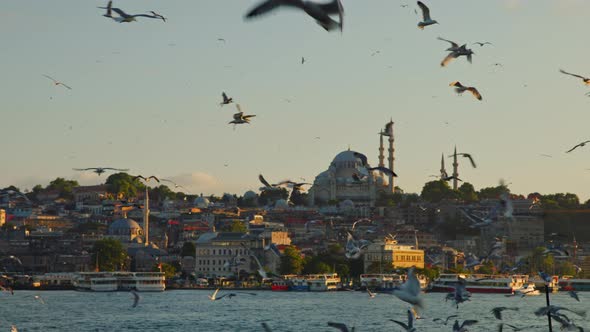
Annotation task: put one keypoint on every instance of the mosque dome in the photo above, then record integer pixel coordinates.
(125, 227)
(250, 195)
(201, 202)
(347, 205)
(281, 204)
(345, 164)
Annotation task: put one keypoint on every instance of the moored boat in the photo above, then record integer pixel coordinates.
(123, 281)
(478, 283)
(573, 284)
(279, 285)
(528, 290)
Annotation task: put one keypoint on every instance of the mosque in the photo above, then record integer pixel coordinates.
(337, 184)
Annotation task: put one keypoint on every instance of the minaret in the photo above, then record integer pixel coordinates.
(455, 169)
(389, 130)
(443, 171)
(381, 149)
(146, 217)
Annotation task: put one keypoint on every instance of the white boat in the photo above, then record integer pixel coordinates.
(480, 283)
(124, 281)
(528, 290)
(323, 282)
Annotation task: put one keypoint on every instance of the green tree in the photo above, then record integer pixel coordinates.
(467, 192)
(111, 255)
(188, 249)
(168, 269)
(492, 192)
(487, 268)
(291, 261)
(435, 191)
(65, 187)
(237, 226)
(560, 201)
(161, 193)
(123, 184)
(269, 196)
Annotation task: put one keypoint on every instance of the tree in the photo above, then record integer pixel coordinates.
(560, 201)
(161, 192)
(492, 192)
(123, 184)
(269, 196)
(467, 192)
(236, 226)
(291, 261)
(111, 255)
(436, 191)
(188, 249)
(169, 270)
(65, 187)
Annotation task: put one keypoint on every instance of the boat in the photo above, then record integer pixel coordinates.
(479, 283)
(528, 290)
(120, 281)
(573, 284)
(381, 282)
(279, 285)
(323, 282)
(298, 284)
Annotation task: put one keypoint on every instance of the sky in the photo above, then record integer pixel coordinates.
(145, 95)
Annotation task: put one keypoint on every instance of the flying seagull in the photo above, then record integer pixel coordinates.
(240, 118)
(407, 327)
(574, 295)
(226, 100)
(426, 20)
(481, 44)
(158, 15)
(584, 79)
(136, 298)
(497, 311)
(146, 179)
(463, 50)
(56, 82)
(467, 155)
(100, 170)
(460, 88)
(449, 178)
(362, 157)
(410, 291)
(174, 183)
(578, 145)
(371, 294)
(302, 60)
(319, 12)
(446, 321)
(124, 17)
(462, 327)
(383, 169)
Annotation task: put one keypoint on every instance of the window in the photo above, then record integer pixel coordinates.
(213, 251)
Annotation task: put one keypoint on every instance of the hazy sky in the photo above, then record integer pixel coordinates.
(146, 94)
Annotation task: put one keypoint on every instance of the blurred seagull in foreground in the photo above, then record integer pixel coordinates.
(240, 118)
(446, 321)
(462, 327)
(407, 327)
(410, 290)
(56, 82)
(340, 326)
(578, 145)
(497, 311)
(584, 79)
(460, 88)
(574, 295)
(319, 12)
(463, 50)
(426, 20)
(136, 298)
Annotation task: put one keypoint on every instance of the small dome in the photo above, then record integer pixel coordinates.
(124, 224)
(347, 205)
(250, 195)
(346, 156)
(201, 202)
(281, 204)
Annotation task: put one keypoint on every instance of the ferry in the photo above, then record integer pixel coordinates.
(120, 281)
(528, 290)
(279, 285)
(479, 283)
(571, 284)
(323, 282)
(58, 281)
(381, 282)
(298, 284)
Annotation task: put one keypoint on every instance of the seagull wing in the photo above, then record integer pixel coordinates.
(453, 44)
(402, 324)
(340, 326)
(574, 75)
(248, 116)
(139, 177)
(51, 78)
(155, 178)
(121, 12)
(330, 7)
(425, 11)
(572, 149)
(362, 157)
(270, 5)
(224, 97)
(117, 169)
(448, 59)
(136, 298)
(263, 180)
(477, 95)
(468, 322)
(65, 85)
(83, 169)
(471, 160)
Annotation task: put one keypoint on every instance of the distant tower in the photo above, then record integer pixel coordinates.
(381, 149)
(443, 171)
(455, 169)
(389, 132)
(146, 217)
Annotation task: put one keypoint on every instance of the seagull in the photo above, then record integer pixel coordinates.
(353, 248)
(266, 327)
(146, 179)
(158, 15)
(39, 298)
(360, 220)
(482, 44)
(302, 60)
(56, 82)
(463, 50)
(460, 88)
(267, 186)
(226, 100)
(124, 17)
(584, 79)
(578, 145)
(230, 295)
(375, 53)
(449, 178)
(174, 183)
(136, 298)
(460, 294)
(426, 20)
(514, 328)
(213, 296)
(467, 155)
(371, 294)
(454, 46)
(407, 327)
(497, 311)
(221, 40)
(446, 321)
(461, 328)
(13, 328)
(383, 169)
(545, 155)
(410, 291)
(574, 295)
(100, 170)
(319, 12)
(260, 268)
(240, 118)
(340, 326)
(553, 310)
(362, 157)
(566, 323)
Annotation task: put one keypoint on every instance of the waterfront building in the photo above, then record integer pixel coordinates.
(388, 255)
(225, 254)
